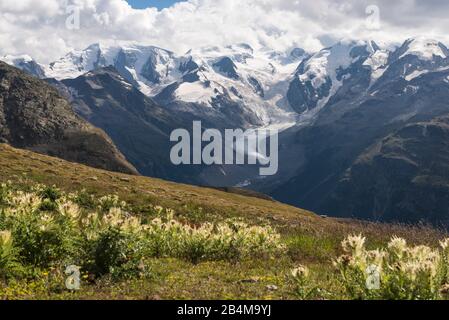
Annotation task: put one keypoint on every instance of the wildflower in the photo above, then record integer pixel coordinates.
(91, 220)
(344, 260)
(444, 243)
(424, 259)
(376, 257)
(23, 203)
(114, 217)
(354, 244)
(5, 237)
(46, 222)
(69, 210)
(397, 245)
(300, 272)
(132, 224)
(408, 272)
(166, 235)
(107, 202)
(444, 289)
(158, 209)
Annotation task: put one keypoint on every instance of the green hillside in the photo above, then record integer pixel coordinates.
(192, 256)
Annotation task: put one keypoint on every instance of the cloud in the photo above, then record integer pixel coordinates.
(39, 27)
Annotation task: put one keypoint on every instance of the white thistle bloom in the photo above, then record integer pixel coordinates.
(69, 209)
(300, 272)
(46, 222)
(444, 244)
(5, 237)
(114, 218)
(355, 244)
(376, 257)
(397, 246)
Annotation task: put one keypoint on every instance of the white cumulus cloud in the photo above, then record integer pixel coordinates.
(39, 27)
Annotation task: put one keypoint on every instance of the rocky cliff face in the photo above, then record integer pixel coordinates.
(138, 126)
(404, 177)
(34, 116)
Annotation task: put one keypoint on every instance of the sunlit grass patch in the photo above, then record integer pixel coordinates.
(308, 247)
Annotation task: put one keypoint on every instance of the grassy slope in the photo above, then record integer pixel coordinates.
(312, 240)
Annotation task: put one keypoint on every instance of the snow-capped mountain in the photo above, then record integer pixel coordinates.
(271, 88)
(144, 66)
(255, 81)
(416, 57)
(25, 63)
(423, 48)
(377, 147)
(319, 77)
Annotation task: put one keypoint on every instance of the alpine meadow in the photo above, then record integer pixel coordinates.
(223, 151)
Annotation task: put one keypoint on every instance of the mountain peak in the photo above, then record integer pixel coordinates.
(11, 59)
(241, 47)
(94, 46)
(297, 53)
(25, 63)
(226, 66)
(424, 48)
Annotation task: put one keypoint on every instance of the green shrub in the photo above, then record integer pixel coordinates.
(48, 205)
(7, 254)
(40, 241)
(41, 238)
(108, 202)
(48, 193)
(4, 192)
(110, 251)
(83, 199)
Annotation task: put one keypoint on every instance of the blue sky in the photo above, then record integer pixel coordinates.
(160, 4)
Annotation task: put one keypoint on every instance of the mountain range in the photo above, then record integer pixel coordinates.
(363, 128)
